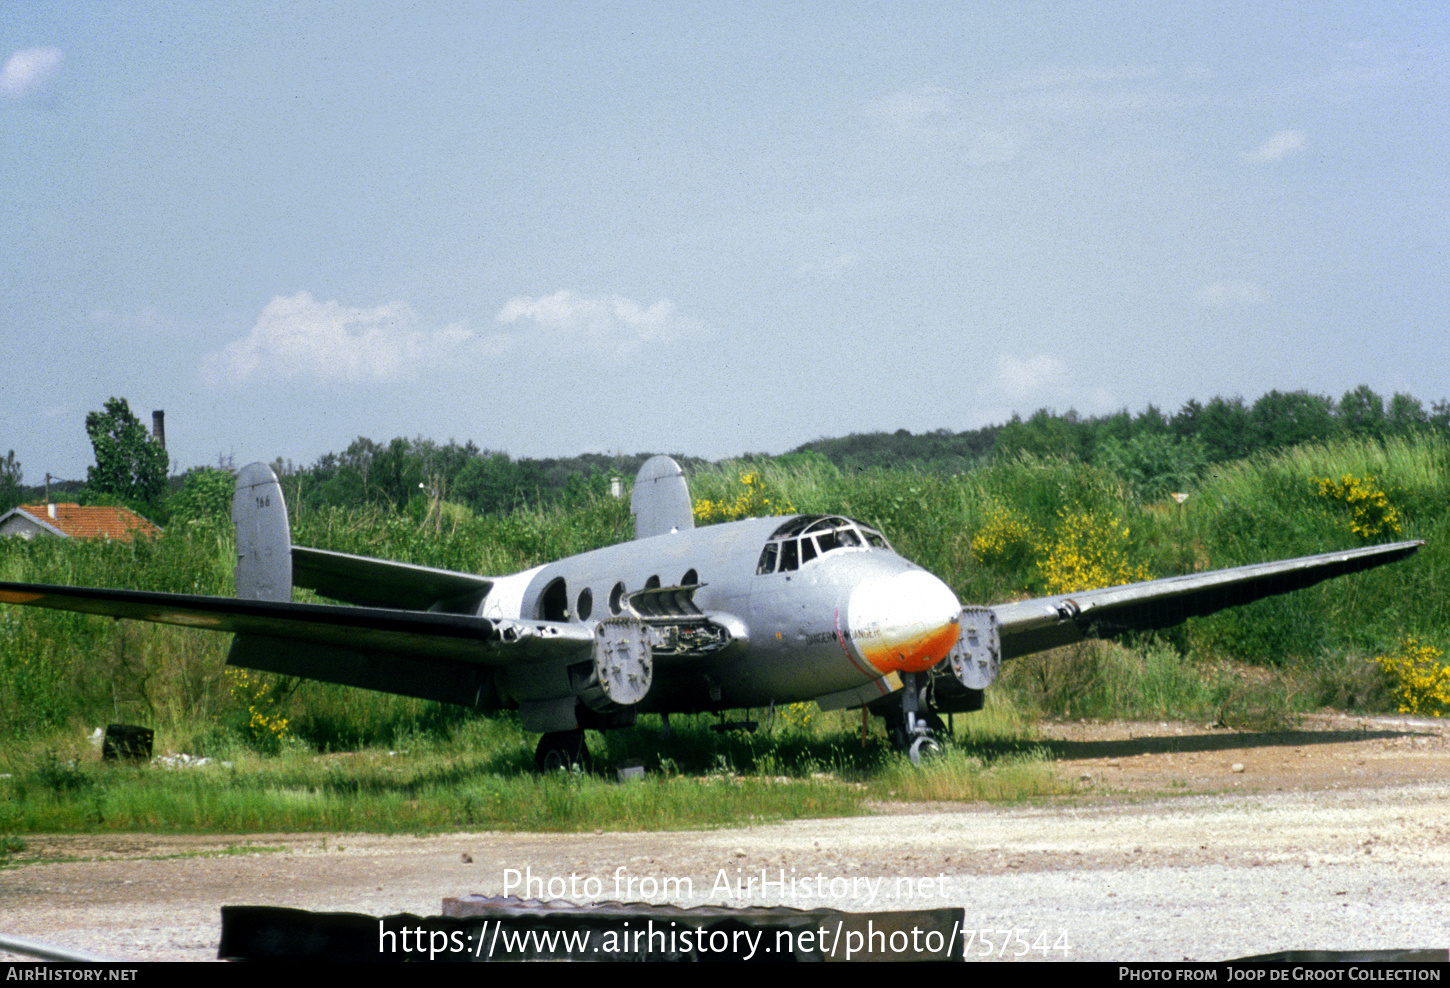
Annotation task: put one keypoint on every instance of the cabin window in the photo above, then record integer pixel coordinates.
(690, 578)
(585, 604)
(653, 583)
(616, 599)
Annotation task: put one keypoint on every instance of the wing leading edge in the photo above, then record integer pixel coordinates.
(1036, 625)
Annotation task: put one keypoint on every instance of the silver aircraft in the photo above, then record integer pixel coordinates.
(746, 614)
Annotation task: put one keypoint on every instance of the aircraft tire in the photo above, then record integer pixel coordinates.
(903, 741)
(562, 750)
(925, 747)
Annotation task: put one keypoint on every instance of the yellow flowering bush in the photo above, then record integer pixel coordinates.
(1004, 539)
(1371, 514)
(1421, 681)
(262, 696)
(1088, 550)
(798, 716)
(752, 500)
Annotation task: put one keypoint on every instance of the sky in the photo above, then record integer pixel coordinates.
(710, 229)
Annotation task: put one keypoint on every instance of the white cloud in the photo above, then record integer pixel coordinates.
(1219, 294)
(905, 107)
(609, 324)
(298, 337)
(982, 131)
(28, 69)
(1279, 146)
(1044, 381)
(1031, 378)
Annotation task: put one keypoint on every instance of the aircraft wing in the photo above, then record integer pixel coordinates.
(1029, 626)
(418, 635)
(371, 582)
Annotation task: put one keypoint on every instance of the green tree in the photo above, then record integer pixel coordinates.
(1155, 464)
(1279, 419)
(10, 477)
(1406, 416)
(1117, 427)
(206, 492)
(1362, 413)
(1045, 434)
(1189, 420)
(397, 473)
(1439, 417)
(1151, 420)
(492, 482)
(1223, 425)
(129, 463)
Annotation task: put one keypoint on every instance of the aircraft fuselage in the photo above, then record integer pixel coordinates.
(796, 628)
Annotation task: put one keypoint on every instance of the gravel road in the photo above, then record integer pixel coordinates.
(1184, 842)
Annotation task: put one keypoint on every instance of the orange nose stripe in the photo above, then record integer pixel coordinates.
(904, 622)
(911, 654)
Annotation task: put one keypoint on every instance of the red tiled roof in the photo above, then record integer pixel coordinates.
(93, 521)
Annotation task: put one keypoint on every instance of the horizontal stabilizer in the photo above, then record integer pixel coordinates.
(381, 583)
(1036, 625)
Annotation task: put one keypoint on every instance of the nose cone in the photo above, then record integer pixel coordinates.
(904, 622)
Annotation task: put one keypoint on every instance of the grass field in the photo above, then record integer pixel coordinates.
(289, 755)
(478, 774)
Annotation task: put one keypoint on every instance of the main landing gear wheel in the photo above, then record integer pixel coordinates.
(562, 749)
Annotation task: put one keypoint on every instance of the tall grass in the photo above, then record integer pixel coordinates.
(1267, 507)
(55, 667)
(479, 774)
(61, 670)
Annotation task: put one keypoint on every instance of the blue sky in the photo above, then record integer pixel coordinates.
(705, 228)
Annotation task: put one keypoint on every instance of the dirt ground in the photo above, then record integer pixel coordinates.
(1325, 751)
(1182, 841)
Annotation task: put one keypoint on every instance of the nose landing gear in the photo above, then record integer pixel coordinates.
(925, 746)
(911, 730)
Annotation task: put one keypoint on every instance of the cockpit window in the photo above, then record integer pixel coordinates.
(839, 538)
(767, 558)
(802, 539)
(789, 555)
(808, 549)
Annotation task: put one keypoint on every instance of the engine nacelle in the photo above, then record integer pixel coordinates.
(977, 655)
